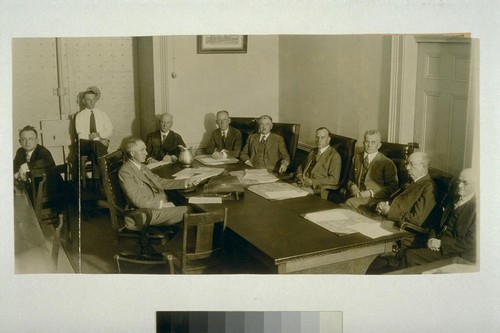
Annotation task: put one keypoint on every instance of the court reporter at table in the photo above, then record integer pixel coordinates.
(144, 189)
(266, 150)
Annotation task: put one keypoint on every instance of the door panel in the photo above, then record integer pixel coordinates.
(441, 103)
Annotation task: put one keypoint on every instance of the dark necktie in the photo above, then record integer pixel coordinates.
(366, 164)
(224, 139)
(314, 160)
(27, 157)
(93, 127)
(163, 137)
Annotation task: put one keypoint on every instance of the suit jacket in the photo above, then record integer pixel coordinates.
(274, 154)
(381, 177)
(157, 150)
(415, 202)
(145, 191)
(458, 231)
(40, 158)
(326, 171)
(233, 142)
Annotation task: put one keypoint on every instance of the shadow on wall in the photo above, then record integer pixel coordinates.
(210, 126)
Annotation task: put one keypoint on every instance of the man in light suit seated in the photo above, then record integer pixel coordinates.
(144, 189)
(226, 140)
(414, 201)
(266, 150)
(373, 177)
(163, 144)
(321, 167)
(456, 234)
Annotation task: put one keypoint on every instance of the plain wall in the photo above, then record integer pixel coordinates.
(244, 84)
(340, 82)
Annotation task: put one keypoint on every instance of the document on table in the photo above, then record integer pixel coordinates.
(257, 176)
(198, 173)
(156, 164)
(344, 221)
(278, 191)
(209, 160)
(205, 200)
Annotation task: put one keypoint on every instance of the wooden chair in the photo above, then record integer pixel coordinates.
(51, 195)
(199, 248)
(118, 209)
(345, 146)
(399, 153)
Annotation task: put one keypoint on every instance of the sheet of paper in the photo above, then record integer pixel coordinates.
(258, 176)
(256, 172)
(198, 173)
(328, 215)
(205, 200)
(372, 230)
(156, 164)
(281, 189)
(208, 160)
(279, 195)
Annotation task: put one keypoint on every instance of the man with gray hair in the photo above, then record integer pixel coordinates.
(414, 201)
(373, 176)
(266, 150)
(163, 144)
(144, 189)
(456, 233)
(225, 141)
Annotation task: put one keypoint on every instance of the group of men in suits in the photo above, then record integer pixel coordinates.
(372, 188)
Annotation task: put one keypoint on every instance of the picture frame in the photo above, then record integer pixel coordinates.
(220, 44)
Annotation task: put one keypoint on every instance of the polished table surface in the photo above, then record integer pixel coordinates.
(276, 234)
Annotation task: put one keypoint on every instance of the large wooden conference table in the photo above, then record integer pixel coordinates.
(275, 233)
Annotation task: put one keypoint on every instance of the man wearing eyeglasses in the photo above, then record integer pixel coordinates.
(414, 201)
(225, 141)
(30, 155)
(456, 234)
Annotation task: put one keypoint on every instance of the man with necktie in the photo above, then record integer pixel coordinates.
(144, 189)
(373, 177)
(414, 201)
(30, 155)
(266, 150)
(321, 168)
(456, 234)
(163, 144)
(225, 141)
(94, 128)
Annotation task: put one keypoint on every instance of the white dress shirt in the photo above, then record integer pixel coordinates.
(103, 124)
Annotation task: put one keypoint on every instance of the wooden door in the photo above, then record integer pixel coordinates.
(441, 111)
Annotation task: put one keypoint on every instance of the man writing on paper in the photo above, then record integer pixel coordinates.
(266, 150)
(415, 200)
(144, 189)
(456, 235)
(226, 140)
(321, 167)
(373, 176)
(163, 144)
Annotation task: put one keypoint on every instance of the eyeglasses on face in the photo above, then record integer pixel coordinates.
(27, 139)
(464, 182)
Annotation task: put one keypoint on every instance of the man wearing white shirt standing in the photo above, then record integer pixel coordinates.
(321, 168)
(373, 176)
(225, 141)
(94, 128)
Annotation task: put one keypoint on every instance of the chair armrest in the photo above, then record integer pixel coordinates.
(408, 225)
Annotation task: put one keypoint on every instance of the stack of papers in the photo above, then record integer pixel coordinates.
(208, 160)
(198, 173)
(205, 200)
(278, 191)
(344, 221)
(255, 176)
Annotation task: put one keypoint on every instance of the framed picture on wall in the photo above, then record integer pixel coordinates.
(222, 44)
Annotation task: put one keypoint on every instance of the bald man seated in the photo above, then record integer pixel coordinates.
(456, 233)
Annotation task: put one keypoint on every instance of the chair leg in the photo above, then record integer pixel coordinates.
(83, 171)
(57, 241)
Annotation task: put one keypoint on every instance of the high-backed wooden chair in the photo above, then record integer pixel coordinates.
(52, 195)
(199, 248)
(399, 153)
(290, 132)
(345, 146)
(118, 209)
